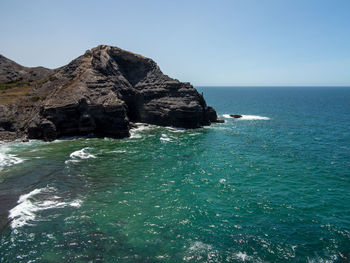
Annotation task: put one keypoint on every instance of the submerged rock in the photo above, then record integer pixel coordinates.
(237, 116)
(100, 92)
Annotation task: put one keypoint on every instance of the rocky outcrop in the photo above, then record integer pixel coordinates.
(11, 72)
(101, 92)
(236, 116)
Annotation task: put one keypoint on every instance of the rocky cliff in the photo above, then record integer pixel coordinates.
(100, 92)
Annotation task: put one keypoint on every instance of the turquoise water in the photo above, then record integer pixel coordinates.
(272, 187)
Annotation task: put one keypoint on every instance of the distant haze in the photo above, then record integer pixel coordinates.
(233, 42)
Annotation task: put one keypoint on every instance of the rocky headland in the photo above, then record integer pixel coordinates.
(102, 92)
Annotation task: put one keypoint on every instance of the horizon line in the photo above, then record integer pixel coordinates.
(277, 86)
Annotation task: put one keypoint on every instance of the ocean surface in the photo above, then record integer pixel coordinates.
(273, 186)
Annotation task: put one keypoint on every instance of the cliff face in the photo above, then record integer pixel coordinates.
(100, 92)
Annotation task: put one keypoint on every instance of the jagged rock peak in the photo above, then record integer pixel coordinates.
(101, 92)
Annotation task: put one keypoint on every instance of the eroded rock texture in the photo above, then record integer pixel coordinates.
(100, 92)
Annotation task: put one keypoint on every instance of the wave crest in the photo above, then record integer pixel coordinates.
(29, 204)
(79, 155)
(7, 159)
(82, 154)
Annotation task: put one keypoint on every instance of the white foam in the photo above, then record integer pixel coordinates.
(7, 159)
(199, 250)
(241, 256)
(77, 156)
(199, 246)
(175, 129)
(247, 117)
(76, 203)
(25, 197)
(227, 116)
(222, 180)
(165, 138)
(24, 212)
(82, 154)
(254, 117)
(136, 133)
(142, 126)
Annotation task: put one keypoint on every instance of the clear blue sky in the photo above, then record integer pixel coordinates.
(217, 42)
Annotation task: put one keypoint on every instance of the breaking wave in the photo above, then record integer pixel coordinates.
(136, 133)
(7, 159)
(37, 200)
(79, 155)
(82, 154)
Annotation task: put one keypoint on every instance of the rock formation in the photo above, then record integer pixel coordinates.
(100, 92)
(236, 116)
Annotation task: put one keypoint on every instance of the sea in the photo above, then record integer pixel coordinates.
(272, 186)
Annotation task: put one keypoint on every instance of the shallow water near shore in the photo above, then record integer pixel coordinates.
(273, 186)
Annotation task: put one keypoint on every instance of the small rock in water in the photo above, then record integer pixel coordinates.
(237, 116)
